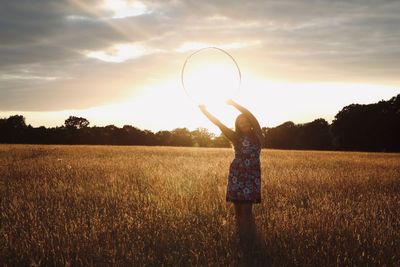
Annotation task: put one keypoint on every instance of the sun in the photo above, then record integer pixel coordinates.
(211, 76)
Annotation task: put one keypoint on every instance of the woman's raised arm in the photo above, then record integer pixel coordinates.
(254, 122)
(231, 135)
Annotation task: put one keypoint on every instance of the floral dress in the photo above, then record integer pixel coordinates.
(244, 179)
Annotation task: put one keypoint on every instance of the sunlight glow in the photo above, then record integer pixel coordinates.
(164, 105)
(119, 53)
(191, 46)
(125, 8)
(277, 102)
(211, 77)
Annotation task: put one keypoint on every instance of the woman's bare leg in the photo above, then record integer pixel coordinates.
(245, 222)
(250, 243)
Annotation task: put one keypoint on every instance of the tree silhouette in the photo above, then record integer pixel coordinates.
(201, 137)
(313, 135)
(164, 138)
(282, 136)
(220, 141)
(76, 122)
(12, 130)
(181, 137)
(372, 127)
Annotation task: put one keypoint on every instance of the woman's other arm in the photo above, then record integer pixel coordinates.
(254, 122)
(231, 135)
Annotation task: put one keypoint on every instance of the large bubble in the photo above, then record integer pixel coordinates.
(211, 76)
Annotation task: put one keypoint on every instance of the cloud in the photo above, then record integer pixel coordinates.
(124, 9)
(120, 53)
(56, 48)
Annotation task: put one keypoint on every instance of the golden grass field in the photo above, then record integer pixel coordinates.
(154, 206)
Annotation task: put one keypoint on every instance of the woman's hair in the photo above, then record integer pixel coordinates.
(237, 128)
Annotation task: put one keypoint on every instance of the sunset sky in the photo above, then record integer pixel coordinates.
(119, 62)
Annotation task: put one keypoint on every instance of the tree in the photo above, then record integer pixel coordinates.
(163, 138)
(371, 127)
(16, 122)
(201, 137)
(76, 122)
(221, 141)
(12, 130)
(313, 135)
(181, 137)
(282, 136)
(131, 135)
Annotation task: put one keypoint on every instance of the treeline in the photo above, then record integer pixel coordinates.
(373, 127)
(76, 130)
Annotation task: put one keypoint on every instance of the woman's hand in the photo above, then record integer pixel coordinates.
(202, 108)
(230, 102)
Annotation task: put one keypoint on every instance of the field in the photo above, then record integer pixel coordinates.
(153, 206)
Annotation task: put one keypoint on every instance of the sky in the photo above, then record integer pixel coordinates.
(119, 62)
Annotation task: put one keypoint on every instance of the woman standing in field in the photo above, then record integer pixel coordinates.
(244, 179)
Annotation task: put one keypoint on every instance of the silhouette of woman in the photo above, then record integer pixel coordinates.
(244, 179)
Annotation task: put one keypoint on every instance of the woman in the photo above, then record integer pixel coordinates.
(244, 179)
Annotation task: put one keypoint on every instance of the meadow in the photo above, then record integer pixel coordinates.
(165, 206)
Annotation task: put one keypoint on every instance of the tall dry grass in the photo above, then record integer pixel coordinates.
(147, 206)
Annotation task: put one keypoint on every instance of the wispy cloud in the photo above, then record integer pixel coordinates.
(27, 77)
(124, 9)
(120, 52)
